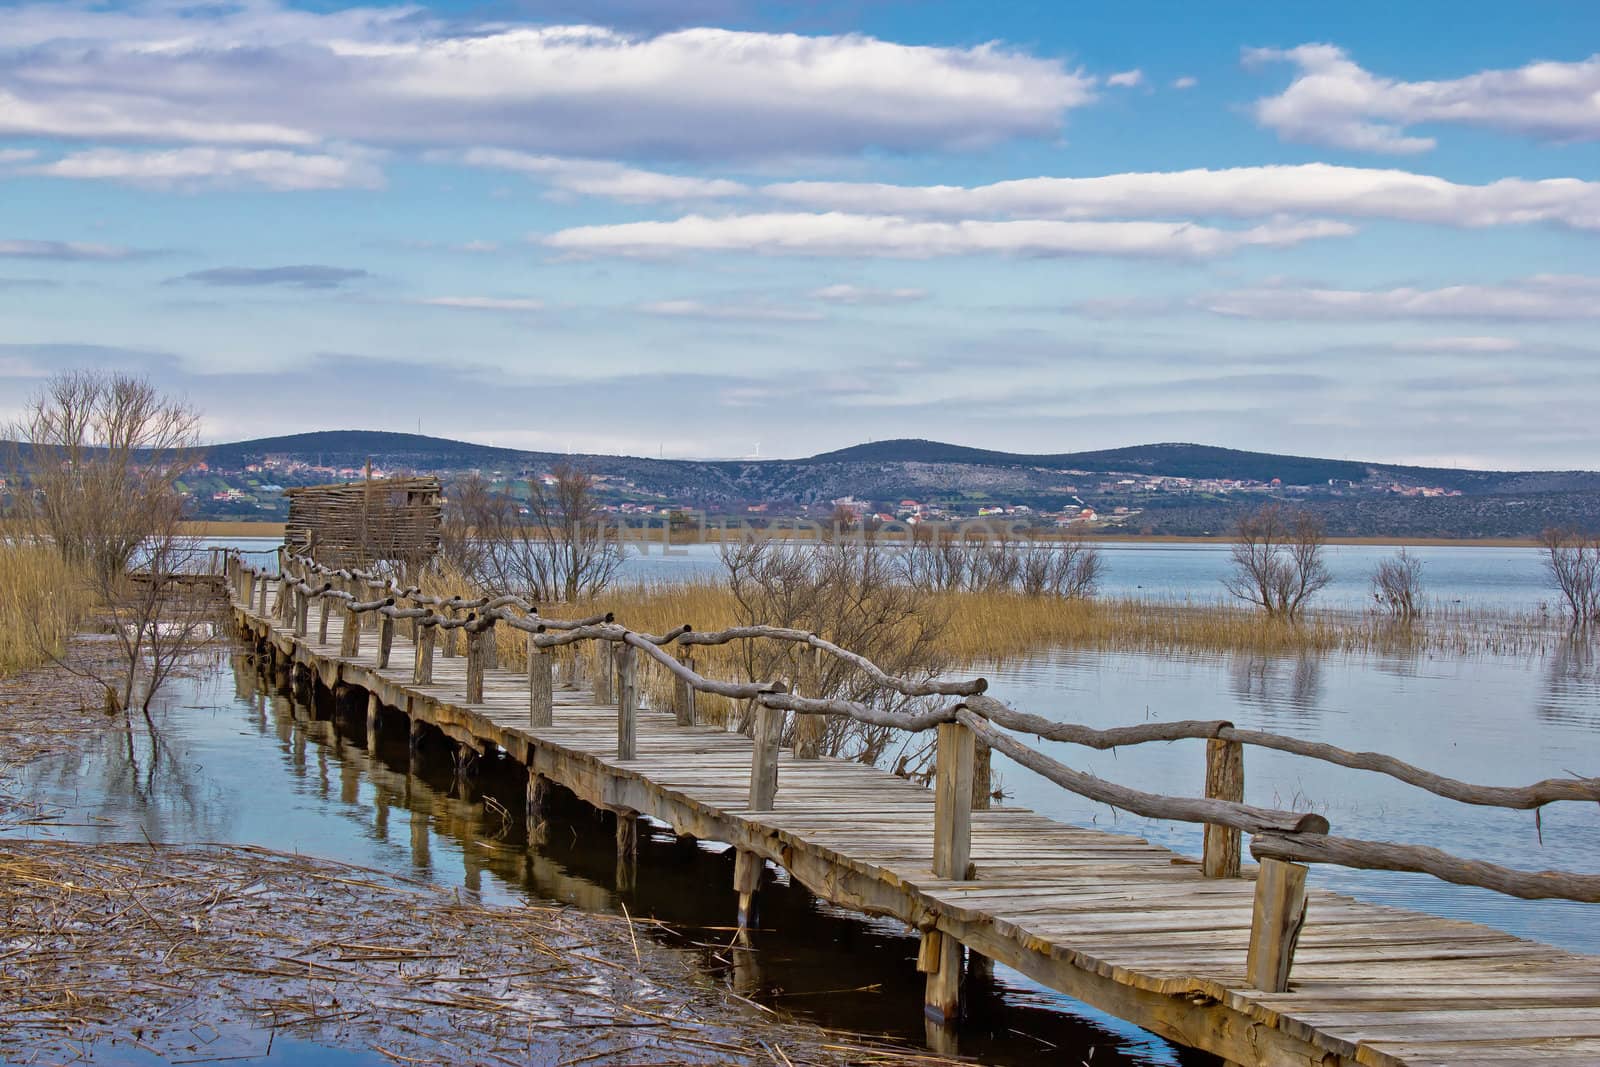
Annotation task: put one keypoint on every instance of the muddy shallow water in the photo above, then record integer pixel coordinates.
(231, 762)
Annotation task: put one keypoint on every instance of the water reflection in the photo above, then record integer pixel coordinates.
(1571, 695)
(1274, 683)
(235, 756)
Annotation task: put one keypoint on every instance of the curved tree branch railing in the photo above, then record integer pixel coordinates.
(1281, 840)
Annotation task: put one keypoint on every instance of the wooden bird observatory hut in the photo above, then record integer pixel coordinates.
(355, 524)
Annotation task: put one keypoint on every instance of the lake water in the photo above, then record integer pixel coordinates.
(1510, 579)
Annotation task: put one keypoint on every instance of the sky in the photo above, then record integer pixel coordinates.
(723, 228)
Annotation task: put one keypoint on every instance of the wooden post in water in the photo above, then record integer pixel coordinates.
(1224, 781)
(541, 686)
(422, 671)
(952, 802)
(538, 795)
(683, 693)
(1275, 924)
(764, 756)
(374, 719)
(939, 957)
(747, 867)
(385, 639)
(627, 702)
(627, 849)
(602, 672)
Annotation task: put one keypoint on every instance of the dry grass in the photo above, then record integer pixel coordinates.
(207, 953)
(42, 603)
(985, 627)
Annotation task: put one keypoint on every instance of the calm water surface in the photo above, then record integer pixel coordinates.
(1499, 578)
(232, 762)
(1488, 720)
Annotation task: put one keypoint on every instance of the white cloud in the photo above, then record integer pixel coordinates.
(838, 234)
(1185, 82)
(483, 303)
(1334, 101)
(198, 166)
(860, 294)
(260, 72)
(1237, 192)
(1127, 79)
(603, 178)
(16, 155)
(62, 250)
(1540, 297)
(695, 309)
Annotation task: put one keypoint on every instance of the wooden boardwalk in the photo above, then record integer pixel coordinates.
(1109, 919)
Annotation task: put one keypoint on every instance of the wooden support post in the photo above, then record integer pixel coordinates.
(374, 720)
(683, 693)
(477, 656)
(447, 647)
(350, 636)
(952, 802)
(538, 796)
(371, 618)
(939, 957)
(263, 611)
(808, 729)
(982, 777)
(302, 609)
(1224, 781)
(627, 702)
(1275, 924)
(324, 606)
(541, 686)
(627, 850)
(602, 672)
(385, 639)
(422, 670)
(747, 868)
(764, 759)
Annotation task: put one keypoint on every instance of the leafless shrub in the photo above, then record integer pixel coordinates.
(1277, 561)
(1397, 585)
(986, 560)
(847, 591)
(561, 550)
(1573, 560)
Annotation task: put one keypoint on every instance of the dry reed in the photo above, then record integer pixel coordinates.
(205, 953)
(42, 603)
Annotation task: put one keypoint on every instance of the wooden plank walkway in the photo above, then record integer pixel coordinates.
(1107, 918)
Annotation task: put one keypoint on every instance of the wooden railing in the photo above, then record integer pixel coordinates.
(967, 722)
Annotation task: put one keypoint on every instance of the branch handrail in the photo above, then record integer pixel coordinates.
(1277, 835)
(1515, 797)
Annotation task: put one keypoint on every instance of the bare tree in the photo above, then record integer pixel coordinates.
(1573, 561)
(561, 549)
(99, 460)
(1277, 560)
(1069, 568)
(1397, 585)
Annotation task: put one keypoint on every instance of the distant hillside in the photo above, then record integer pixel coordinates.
(1168, 459)
(352, 448)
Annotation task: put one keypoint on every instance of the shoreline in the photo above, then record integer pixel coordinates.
(245, 528)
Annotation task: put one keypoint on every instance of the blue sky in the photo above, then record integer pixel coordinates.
(705, 227)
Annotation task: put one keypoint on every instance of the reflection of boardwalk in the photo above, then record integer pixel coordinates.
(1106, 918)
